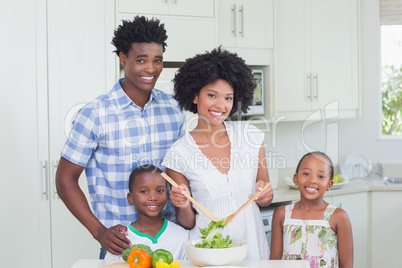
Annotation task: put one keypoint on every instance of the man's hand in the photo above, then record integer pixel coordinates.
(114, 239)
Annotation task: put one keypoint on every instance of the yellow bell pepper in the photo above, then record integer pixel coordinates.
(162, 264)
(174, 264)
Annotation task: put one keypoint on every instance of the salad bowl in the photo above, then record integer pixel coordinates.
(216, 256)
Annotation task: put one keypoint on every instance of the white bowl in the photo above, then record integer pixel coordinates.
(216, 256)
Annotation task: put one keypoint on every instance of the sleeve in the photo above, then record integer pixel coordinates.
(174, 160)
(253, 136)
(182, 128)
(83, 137)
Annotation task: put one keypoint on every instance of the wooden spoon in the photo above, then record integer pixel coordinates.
(206, 212)
(257, 194)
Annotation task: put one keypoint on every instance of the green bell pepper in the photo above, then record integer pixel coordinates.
(146, 248)
(161, 255)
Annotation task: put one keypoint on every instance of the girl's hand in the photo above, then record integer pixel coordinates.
(177, 196)
(266, 196)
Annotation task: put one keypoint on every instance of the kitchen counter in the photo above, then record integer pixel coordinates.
(372, 183)
(189, 264)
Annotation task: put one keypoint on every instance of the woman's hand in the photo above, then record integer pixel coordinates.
(177, 196)
(266, 196)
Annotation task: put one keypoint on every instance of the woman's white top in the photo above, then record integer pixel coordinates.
(221, 193)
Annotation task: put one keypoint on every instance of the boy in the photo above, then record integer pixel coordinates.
(131, 125)
(147, 192)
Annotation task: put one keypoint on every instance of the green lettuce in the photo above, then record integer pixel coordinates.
(211, 238)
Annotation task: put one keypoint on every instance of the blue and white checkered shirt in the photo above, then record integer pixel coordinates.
(111, 136)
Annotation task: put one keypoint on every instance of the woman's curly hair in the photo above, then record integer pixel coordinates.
(206, 68)
(139, 30)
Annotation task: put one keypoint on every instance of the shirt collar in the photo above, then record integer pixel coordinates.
(122, 100)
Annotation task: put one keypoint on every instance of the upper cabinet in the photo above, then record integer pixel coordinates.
(194, 8)
(316, 58)
(246, 27)
(190, 24)
(245, 24)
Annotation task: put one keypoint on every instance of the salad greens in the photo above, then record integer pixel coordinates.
(211, 238)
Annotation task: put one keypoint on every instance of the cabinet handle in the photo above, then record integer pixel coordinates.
(241, 15)
(45, 184)
(316, 86)
(309, 96)
(54, 179)
(233, 10)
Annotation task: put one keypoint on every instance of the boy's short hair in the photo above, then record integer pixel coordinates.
(206, 68)
(139, 30)
(321, 154)
(140, 170)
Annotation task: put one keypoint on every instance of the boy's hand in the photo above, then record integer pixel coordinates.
(177, 196)
(114, 239)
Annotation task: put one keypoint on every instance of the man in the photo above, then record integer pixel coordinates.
(132, 125)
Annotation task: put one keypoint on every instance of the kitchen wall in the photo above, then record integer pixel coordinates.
(362, 134)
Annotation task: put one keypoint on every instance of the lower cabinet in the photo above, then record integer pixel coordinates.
(386, 235)
(356, 206)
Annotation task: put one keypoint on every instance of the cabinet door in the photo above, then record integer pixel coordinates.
(196, 8)
(245, 24)
(192, 8)
(334, 43)
(292, 60)
(316, 57)
(81, 67)
(25, 225)
(143, 6)
(254, 24)
(356, 206)
(226, 22)
(200, 37)
(386, 235)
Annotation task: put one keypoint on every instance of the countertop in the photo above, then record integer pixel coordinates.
(367, 184)
(189, 264)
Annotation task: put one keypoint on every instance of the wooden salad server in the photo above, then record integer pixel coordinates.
(204, 210)
(257, 194)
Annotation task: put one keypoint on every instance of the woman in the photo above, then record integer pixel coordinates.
(220, 163)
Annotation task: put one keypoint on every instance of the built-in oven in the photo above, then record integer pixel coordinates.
(266, 216)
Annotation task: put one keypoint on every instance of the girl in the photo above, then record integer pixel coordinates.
(311, 229)
(219, 162)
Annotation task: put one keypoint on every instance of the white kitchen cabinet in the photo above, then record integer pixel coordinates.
(245, 24)
(192, 8)
(187, 36)
(316, 57)
(357, 208)
(246, 27)
(386, 235)
(80, 68)
(59, 63)
(23, 207)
